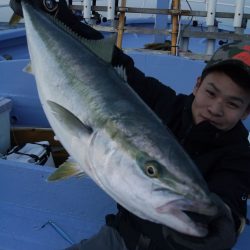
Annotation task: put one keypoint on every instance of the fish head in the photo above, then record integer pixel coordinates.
(163, 188)
(177, 201)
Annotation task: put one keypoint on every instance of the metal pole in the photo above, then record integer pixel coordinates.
(211, 10)
(87, 9)
(161, 21)
(238, 16)
(93, 6)
(111, 10)
(175, 26)
(121, 25)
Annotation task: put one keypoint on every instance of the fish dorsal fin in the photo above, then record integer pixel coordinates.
(69, 121)
(103, 48)
(67, 169)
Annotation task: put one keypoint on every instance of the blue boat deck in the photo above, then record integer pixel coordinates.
(77, 206)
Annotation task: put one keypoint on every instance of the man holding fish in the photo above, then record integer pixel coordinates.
(207, 124)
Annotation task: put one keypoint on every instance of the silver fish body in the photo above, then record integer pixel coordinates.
(114, 137)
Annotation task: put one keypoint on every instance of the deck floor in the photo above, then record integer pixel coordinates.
(28, 201)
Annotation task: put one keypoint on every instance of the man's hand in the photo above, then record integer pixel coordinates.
(221, 233)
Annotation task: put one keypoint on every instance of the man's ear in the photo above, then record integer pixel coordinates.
(197, 85)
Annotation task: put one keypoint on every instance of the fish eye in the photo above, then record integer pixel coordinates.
(151, 169)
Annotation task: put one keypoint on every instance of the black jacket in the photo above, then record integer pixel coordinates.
(223, 158)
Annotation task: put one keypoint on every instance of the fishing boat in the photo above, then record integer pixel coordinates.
(36, 214)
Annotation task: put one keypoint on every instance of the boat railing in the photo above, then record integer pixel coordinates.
(180, 33)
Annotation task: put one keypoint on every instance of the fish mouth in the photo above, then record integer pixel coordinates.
(191, 217)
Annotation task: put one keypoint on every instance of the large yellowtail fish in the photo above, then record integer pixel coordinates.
(113, 136)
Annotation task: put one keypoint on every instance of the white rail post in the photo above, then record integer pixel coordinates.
(211, 9)
(238, 16)
(87, 10)
(111, 10)
(161, 21)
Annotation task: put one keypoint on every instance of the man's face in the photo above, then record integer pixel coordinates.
(220, 101)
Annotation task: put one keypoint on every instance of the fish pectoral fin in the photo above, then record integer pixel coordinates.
(14, 19)
(69, 121)
(28, 69)
(67, 169)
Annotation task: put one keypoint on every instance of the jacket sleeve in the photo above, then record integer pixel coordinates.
(231, 181)
(154, 93)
